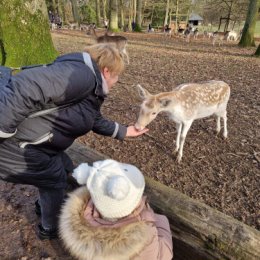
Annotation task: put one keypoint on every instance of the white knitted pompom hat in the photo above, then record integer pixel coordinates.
(115, 188)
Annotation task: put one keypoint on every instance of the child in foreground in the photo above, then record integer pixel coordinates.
(110, 219)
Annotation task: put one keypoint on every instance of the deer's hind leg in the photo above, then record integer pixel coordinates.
(222, 114)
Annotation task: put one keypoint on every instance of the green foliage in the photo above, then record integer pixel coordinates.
(158, 17)
(138, 28)
(88, 14)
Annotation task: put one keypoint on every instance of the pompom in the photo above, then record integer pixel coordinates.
(81, 173)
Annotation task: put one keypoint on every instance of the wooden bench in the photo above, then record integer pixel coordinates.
(199, 231)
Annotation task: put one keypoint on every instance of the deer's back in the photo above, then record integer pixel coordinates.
(195, 100)
(109, 39)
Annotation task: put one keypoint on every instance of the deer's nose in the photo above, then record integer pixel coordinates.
(138, 127)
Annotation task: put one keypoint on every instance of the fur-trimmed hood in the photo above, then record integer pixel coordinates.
(86, 242)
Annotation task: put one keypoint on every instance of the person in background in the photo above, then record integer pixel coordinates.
(110, 218)
(106, 24)
(43, 110)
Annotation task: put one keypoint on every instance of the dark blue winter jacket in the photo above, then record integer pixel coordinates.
(42, 111)
(70, 84)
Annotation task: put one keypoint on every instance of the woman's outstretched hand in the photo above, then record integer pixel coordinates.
(133, 132)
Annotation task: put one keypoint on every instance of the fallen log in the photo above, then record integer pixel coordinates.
(199, 231)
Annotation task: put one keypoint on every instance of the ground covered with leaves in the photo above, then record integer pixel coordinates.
(223, 174)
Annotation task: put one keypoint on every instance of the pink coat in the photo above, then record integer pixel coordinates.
(143, 235)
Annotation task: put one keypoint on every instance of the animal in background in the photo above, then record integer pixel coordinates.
(219, 37)
(232, 36)
(118, 40)
(167, 30)
(184, 104)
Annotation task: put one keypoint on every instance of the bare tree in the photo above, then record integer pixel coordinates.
(104, 12)
(98, 13)
(139, 15)
(75, 11)
(134, 10)
(130, 14)
(122, 14)
(25, 34)
(166, 12)
(113, 15)
(61, 11)
(224, 10)
(247, 38)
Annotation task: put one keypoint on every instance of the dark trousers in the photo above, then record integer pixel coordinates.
(46, 170)
(50, 201)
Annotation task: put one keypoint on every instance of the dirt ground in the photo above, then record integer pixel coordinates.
(224, 174)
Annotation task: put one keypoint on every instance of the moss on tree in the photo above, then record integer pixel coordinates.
(24, 33)
(247, 38)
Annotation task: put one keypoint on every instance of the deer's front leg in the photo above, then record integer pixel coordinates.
(218, 125)
(178, 128)
(185, 129)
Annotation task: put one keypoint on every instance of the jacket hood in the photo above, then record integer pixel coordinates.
(75, 56)
(85, 241)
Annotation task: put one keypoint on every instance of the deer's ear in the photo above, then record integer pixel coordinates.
(143, 93)
(164, 102)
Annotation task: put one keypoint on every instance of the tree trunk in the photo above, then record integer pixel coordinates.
(113, 16)
(75, 11)
(134, 10)
(98, 13)
(151, 21)
(166, 12)
(65, 16)
(61, 11)
(130, 15)
(122, 15)
(54, 6)
(247, 38)
(257, 53)
(228, 17)
(139, 8)
(170, 16)
(104, 13)
(24, 33)
(176, 16)
(199, 232)
(227, 21)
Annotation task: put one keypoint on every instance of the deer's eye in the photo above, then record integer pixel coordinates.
(154, 113)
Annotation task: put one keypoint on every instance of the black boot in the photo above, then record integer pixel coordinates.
(46, 234)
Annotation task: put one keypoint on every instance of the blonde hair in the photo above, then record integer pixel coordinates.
(107, 55)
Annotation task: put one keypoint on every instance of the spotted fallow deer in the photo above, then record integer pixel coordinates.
(186, 103)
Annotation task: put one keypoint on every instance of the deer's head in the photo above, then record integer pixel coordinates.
(152, 105)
